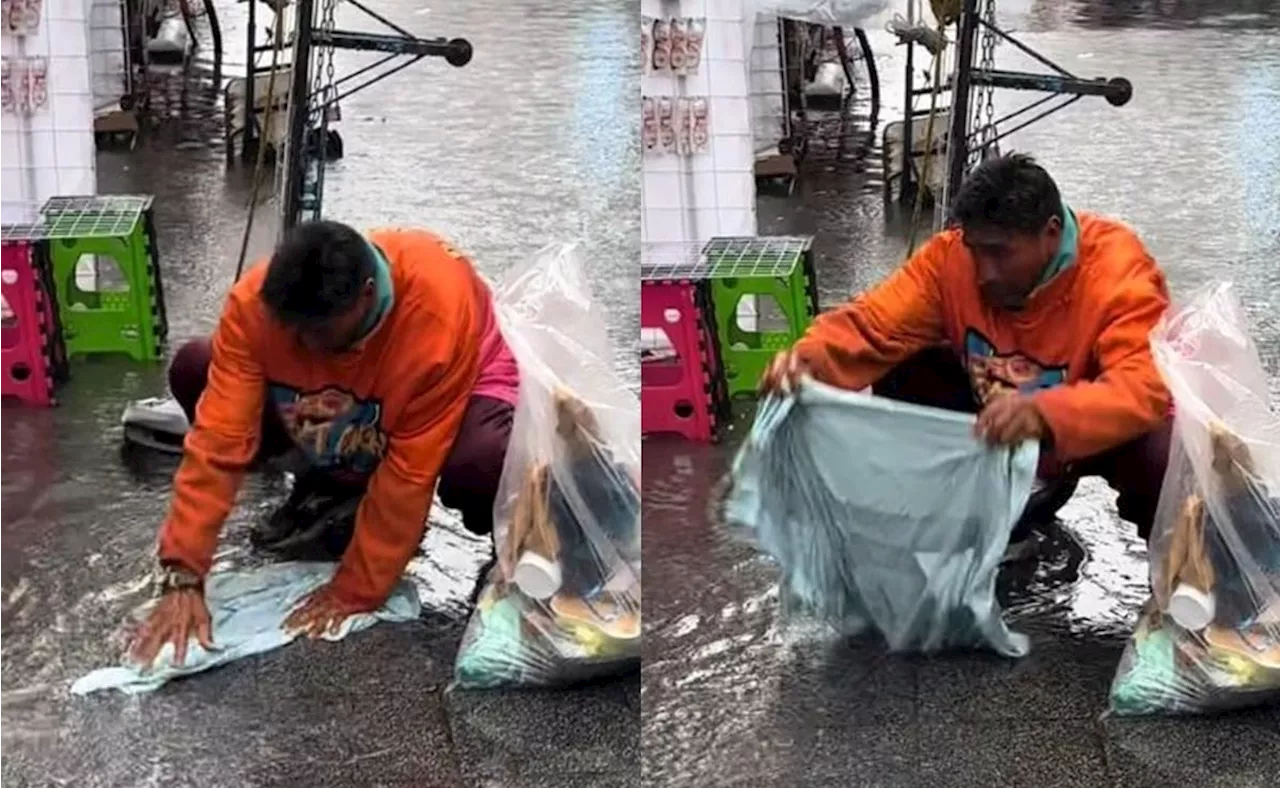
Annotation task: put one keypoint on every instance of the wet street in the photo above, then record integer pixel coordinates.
(529, 144)
(734, 696)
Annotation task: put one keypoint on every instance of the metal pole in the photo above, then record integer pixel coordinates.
(249, 137)
(299, 114)
(906, 194)
(957, 147)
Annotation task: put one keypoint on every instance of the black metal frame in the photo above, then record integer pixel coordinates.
(306, 145)
(1117, 91)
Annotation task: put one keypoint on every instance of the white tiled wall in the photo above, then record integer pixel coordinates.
(50, 151)
(769, 123)
(687, 200)
(107, 51)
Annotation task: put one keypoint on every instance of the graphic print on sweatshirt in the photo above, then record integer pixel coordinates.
(338, 431)
(992, 374)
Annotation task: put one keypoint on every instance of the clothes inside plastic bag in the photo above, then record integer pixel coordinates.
(562, 603)
(247, 609)
(883, 516)
(1209, 638)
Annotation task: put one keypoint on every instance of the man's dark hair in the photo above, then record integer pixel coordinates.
(316, 273)
(1009, 192)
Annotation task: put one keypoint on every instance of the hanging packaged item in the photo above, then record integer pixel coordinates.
(684, 126)
(667, 124)
(699, 124)
(883, 516)
(8, 98)
(22, 17)
(562, 603)
(37, 75)
(678, 46)
(648, 124)
(661, 45)
(691, 122)
(646, 43)
(21, 82)
(1209, 638)
(694, 34)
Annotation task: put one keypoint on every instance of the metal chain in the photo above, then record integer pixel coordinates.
(323, 79)
(986, 118)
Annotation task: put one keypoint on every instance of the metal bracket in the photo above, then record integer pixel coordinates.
(1117, 90)
(304, 176)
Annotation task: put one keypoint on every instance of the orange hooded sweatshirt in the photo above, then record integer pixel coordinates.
(391, 408)
(1079, 346)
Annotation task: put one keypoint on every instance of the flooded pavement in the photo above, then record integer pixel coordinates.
(531, 143)
(734, 696)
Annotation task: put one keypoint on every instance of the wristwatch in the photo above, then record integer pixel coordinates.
(174, 577)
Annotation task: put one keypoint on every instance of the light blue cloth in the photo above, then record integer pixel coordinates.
(248, 610)
(883, 515)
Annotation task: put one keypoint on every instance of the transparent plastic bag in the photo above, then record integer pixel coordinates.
(1209, 638)
(562, 603)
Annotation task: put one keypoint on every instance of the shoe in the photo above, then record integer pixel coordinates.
(316, 513)
(1020, 550)
(1047, 497)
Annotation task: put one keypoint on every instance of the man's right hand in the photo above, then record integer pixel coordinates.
(783, 374)
(177, 616)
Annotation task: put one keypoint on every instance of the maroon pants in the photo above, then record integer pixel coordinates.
(469, 479)
(1135, 469)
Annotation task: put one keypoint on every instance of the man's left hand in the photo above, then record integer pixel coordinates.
(321, 613)
(1011, 419)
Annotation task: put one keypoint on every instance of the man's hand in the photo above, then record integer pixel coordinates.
(178, 616)
(321, 613)
(1010, 419)
(783, 373)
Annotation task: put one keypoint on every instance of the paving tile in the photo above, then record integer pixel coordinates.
(1240, 750)
(372, 737)
(114, 740)
(388, 656)
(564, 780)
(539, 734)
(848, 683)
(1043, 754)
(1060, 679)
(765, 754)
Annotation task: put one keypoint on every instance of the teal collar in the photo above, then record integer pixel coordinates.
(383, 288)
(1067, 247)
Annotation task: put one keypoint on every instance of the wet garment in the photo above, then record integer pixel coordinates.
(883, 515)
(1086, 327)
(1134, 469)
(384, 414)
(248, 609)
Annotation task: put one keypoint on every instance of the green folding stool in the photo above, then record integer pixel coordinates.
(131, 321)
(777, 267)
